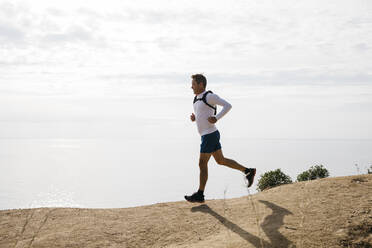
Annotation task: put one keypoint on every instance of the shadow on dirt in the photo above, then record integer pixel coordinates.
(270, 226)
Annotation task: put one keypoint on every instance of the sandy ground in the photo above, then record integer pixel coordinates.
(332, 212)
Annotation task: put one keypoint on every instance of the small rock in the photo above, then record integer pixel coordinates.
(341, 232)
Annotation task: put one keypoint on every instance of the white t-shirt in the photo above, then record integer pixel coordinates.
(203, 111)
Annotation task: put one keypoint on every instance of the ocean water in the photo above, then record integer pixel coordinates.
(122, 144)
(117, 173)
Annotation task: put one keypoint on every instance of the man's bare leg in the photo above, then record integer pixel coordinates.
(220, 159)
(203, 166)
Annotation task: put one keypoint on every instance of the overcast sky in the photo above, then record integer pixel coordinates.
(301, 40)
(314, 53)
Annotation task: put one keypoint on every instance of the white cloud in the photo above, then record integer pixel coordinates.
(362, 47)
(247, 37)
(73, 34)
(10, 33)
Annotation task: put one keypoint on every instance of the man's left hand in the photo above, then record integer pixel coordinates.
(212, 119)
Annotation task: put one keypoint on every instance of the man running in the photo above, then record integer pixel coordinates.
(206, 116)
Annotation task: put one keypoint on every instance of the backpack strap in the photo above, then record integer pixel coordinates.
(204, 99)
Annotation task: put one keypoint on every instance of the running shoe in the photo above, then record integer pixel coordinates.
(249, 175)
(196, 197)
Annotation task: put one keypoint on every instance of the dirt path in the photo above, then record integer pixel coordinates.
(333, 212)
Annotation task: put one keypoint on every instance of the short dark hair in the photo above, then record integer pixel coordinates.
(199, 78)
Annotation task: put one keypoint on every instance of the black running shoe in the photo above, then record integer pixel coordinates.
(249, 174)
(195, 197)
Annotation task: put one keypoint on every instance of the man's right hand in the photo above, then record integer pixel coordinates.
(192, 117)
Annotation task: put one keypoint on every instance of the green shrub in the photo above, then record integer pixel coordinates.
(272, 179)
(315, 172)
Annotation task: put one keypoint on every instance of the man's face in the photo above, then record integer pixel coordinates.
(197, 88)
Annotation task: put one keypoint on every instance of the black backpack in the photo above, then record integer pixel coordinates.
(204, 99)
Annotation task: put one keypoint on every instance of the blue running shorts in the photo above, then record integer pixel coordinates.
(210, 142)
